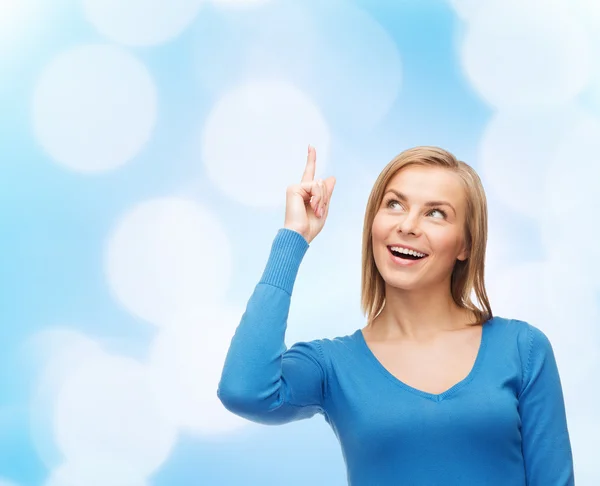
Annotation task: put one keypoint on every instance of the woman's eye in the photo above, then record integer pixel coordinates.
(439, 211)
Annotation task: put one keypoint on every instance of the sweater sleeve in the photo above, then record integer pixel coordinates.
(545, 438)
(261, 380)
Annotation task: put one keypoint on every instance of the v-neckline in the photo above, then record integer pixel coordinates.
(436, 397)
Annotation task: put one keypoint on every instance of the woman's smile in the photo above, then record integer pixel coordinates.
(406, 259)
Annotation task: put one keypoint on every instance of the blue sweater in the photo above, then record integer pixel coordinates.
(503, 425)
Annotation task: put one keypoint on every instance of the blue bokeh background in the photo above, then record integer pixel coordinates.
(145, 149)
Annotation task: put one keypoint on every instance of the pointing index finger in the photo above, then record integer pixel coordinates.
(311, 159)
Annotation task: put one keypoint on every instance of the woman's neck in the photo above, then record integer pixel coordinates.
(419, 316)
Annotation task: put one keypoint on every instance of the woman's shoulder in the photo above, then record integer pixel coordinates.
(332, 349)
(498, 326)
(512, 325)
(340, 342)
(526, 335)
(502, 333)
(326, 346)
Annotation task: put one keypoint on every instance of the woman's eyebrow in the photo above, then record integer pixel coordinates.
(403, 198)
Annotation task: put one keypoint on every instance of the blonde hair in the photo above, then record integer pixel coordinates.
(468, 275)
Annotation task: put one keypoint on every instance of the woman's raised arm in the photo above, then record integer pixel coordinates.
(261, 379)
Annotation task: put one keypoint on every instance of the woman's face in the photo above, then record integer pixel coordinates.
(423, 208)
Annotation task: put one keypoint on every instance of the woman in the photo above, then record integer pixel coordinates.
(434, 390)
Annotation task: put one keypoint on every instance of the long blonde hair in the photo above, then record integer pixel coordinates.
(468, 275)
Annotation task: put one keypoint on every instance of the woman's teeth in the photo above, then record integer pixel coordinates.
(400, 252)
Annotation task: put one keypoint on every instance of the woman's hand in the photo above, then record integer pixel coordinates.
(307, 203)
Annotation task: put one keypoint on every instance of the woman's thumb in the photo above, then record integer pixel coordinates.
(330, 184)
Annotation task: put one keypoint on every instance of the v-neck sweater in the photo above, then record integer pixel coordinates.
(504, 424)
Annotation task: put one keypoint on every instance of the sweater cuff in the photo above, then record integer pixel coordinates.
(287, 252)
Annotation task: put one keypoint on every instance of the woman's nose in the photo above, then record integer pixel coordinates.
(409, 225)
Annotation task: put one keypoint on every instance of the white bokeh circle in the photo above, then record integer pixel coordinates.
(526, 54)
(573, 178)
(326, 49)
(516, 151)
(17, 18)
(168, 256)
(466, 8)
(56, 353)
(255, 140)
(141, 22)
(186, 362)
(357, 68)
(274, 41)
(588, 12)
(503, 243)
(75, 474)
(107, 421)
(593, 93)
(572, 185)
(70, 474)
(94, 108)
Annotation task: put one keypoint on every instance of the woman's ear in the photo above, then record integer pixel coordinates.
(464, 254)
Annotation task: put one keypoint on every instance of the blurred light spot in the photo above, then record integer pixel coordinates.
(354, 87)
(502, 245)
(186, 361)
(516, 150)
(17, 18)
(593, 94)
(4, 482)
(466, 9)
(94, 108)
(141, 22)
(9, 8)
(168, 256)
(588, 11)
(108, 423)
(524, 54)
(326, 50)
(571, 205)
(69, 474)
(277, 40)
(55, 352)
(255, 140)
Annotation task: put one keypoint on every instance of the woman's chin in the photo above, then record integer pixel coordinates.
(405, 284)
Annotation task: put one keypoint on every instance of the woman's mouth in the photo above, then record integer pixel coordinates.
(405, 257)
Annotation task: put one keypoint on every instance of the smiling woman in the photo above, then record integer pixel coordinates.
(426, 197)
(434, 389)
